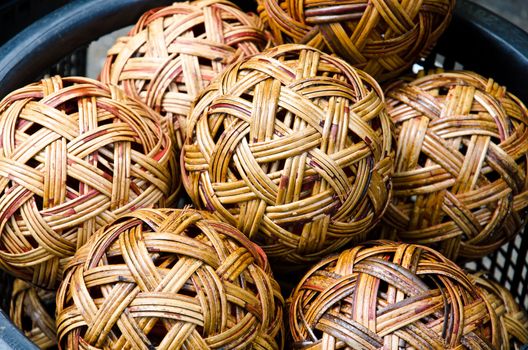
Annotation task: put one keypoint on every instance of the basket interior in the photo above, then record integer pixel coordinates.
(476, 40)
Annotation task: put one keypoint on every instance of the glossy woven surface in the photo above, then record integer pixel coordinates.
(173, 52)
(513, 319)
(74, 155)
(460, 171)
(293, 147)
(384, 294)
(381, 37)
(169, 279)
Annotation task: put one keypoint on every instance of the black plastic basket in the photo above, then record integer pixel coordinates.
(15, 15)
(476, 39)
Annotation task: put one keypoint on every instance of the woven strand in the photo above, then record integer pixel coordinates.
(293, 147)
(383, 38)
(74, 155)
(169, 279)
(31, 311)
(513, 319)
(393, 296)
(460, 180)
(173, 52)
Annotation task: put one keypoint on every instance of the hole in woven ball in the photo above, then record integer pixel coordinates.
(422, 160)
(350, 172)
(199, 30)
(33, 163)
(383, 289)
(217, 129)
(247, 96)
(491, 175)
(188, 289)
(462, 148)
(28, 128)
(69, 106)
(114, 259)
(375, 124)
(157, 333)
(194, 232)
(204, 63)
(72, 184)
(96, 294)
(281, 114)
(32, 242)
(355, 139)
(138, 147)
(432, 281)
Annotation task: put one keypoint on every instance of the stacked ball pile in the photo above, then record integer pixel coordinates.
(289, 149)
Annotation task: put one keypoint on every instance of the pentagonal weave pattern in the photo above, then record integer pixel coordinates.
(381, 37)
(460, 180)
(513, 319)
(32, 311)
(169, 279)
(383, 294)
(74, 155)
(293, 147)
(173, 52)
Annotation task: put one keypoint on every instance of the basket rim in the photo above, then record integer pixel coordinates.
(74, 25)
(12, 336)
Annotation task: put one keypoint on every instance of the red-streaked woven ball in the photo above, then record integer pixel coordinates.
(386, 295)
(169, 279)
(460, 179)
(383, 38)
(74, 155)
(32, 311)
(293, 147)
(513, 319)
(173, 52)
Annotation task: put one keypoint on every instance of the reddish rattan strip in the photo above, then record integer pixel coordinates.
(173, 52)
(74, 155)
(460, 179)
(385, 295)
(513, 319)
(381, 37)
(31, 311)
(292, 146)
(169, 279)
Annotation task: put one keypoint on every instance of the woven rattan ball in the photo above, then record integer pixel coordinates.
(74, 154)
(32, 312)
(173, 52)
(513, 319)
(169, 279)
(460, 180)
(292, 146)
(386, 295)
(382, 37)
